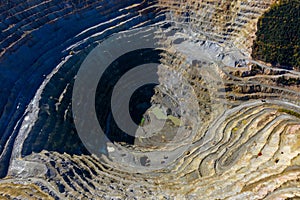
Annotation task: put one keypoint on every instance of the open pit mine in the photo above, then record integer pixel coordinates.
(214, 122)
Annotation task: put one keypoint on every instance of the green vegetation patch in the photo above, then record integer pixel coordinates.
(278, 35)
(142, 122)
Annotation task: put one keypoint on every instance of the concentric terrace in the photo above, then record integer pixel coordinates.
(240, 114)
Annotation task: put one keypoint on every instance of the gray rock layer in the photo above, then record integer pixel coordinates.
(247, 139)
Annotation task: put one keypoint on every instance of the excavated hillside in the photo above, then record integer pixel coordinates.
(232, 123)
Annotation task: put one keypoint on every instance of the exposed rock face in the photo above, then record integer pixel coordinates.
(247, 143)
(232, 23)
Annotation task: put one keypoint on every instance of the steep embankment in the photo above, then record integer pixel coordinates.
(241, 116)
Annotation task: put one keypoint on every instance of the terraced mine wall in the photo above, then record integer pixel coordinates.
(241, 121)
(37, 35)
(232, 23)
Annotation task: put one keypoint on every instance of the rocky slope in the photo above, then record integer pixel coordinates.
(242, 116)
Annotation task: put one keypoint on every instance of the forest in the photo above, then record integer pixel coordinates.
(278, 35)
